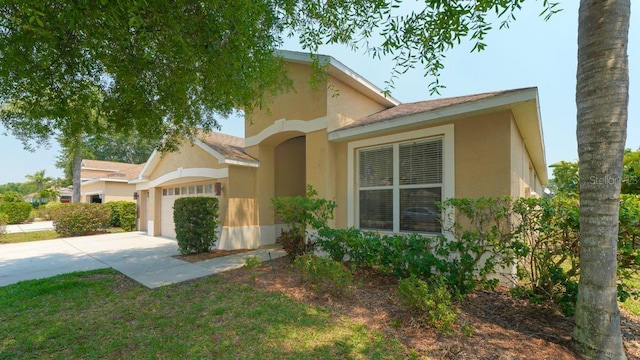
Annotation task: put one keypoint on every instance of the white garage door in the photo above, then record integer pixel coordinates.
(169, 196)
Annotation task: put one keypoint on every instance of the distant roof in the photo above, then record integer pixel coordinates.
(103, 165)
(422, 106)
(229, 146)
(109, 170)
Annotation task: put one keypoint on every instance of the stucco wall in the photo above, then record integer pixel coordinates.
(240, 197)
(524, 179)
(344, 104)
(321, 165)
(482, 155)
(265, 180)
(241, 212)
(92, 188)
(341, 184)
(300, 103)
(187, 157)
(117, 191)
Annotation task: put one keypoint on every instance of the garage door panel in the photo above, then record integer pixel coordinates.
(167, 227)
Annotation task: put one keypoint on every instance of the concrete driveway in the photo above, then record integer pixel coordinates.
(143, 258)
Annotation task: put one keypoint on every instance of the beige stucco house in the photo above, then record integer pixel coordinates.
(104, 181)
(385, 163)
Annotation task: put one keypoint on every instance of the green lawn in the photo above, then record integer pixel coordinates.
(633, 305)
(28, 236)
(40, 235)
(102, 314)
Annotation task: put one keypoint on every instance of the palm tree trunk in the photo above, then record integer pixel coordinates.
(602, 105)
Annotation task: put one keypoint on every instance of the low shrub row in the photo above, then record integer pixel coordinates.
(533, 243)
(16, 212)
(3, 224)
(79, 219)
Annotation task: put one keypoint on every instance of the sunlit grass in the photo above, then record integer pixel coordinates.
(28, 236)
(632, 305)
(102, 314)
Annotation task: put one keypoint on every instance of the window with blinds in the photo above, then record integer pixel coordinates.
(399, 186)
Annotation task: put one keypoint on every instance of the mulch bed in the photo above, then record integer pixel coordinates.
(504, 327)
(192, 258)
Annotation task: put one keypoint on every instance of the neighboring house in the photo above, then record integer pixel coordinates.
(104, 181)
(386, 164)
(64, 195)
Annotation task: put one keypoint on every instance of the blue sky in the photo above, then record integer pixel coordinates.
(531, 52)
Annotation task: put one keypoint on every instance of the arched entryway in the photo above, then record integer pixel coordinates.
(290, 167)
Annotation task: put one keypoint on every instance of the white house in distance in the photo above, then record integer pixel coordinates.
(104, 181)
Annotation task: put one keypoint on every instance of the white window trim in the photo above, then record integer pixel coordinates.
(448, 162)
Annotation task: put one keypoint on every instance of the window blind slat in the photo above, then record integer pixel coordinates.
(421, 162)
(376, 167)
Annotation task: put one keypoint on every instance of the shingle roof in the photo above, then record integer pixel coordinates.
(420, 107)
(128, 173)
(229, 146)
(104, 165)
(99, 169)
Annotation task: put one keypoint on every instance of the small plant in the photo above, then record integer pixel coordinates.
(324, 275)
(251, 264)
(480, 244)
(431, 300)
(293, 244)
(301, 213)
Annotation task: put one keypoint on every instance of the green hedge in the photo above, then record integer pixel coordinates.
(17, 212)
(123, 214)
(78, 219)
(44, 212)
(196, 221)
(3, 224)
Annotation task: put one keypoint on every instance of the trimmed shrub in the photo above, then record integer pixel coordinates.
(114, 206)
(196, 222)
(44, 212)
(128, 215)
(79, 219)
(11, 196)
(123, 214)
(17, 212)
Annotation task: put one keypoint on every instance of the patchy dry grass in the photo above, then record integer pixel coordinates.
(102, 314)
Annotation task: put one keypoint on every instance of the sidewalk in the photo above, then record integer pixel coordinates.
(146, 259)
(34, 226)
